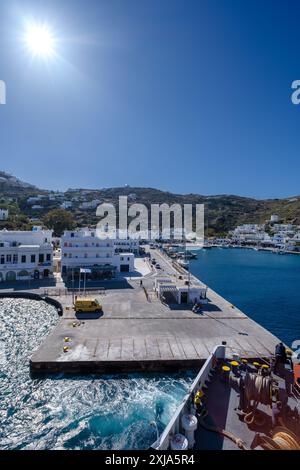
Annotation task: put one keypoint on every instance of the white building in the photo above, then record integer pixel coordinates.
(284, 228)
(66, 205)
(3, 214)
(123, 243)
(127, 246)
(32, 200)
(83, 249)
(250, 233)
(181, 292)
(90, 204)
(26, 255)
(274, 218)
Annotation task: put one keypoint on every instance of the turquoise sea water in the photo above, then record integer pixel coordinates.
(264, 285)
(90, 412)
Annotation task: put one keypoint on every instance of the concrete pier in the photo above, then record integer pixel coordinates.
(137, 332)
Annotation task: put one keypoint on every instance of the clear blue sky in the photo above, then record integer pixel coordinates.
(183, 95)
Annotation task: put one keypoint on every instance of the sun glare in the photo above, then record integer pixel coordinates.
(39, 40)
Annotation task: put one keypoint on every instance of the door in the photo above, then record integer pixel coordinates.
(184, 297)
(124, 268)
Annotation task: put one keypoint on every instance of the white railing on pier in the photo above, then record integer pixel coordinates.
(174, 425)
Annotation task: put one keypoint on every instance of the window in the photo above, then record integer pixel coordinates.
(23, 259)
(32, 258)
(70, 245)
(15, 259)
(70, 255)
(72, 235)
(41, 258)
(48, 257)
(85, 255)
(8, 258)
(65, 244)
(2, 259)
(65, 255)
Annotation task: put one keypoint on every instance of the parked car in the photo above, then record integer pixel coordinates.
(87, 305)
(157, 266)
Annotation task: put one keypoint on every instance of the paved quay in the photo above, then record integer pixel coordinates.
(138, 332)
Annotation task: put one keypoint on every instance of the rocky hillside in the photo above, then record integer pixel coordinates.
(222, 212)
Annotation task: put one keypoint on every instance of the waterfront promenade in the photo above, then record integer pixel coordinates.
(138, 332)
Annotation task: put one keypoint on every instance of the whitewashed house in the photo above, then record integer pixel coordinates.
(249, 234)
(275, 218)
(66, 205)
(26, 255)
(90, 205)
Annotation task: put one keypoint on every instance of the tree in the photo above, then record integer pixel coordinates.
(59, 220)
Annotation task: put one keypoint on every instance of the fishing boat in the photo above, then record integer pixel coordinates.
(183, 263)
(238, 404)
(187, 255)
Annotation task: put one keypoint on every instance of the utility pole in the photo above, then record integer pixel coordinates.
(84, 282)
(73, 286)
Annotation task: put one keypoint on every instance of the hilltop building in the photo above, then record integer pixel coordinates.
(275, 218)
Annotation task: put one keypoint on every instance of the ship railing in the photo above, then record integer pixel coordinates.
(174, 425)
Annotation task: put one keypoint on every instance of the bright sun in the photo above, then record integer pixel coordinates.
(39, 40)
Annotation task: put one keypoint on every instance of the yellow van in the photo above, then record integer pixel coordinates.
(87, 305)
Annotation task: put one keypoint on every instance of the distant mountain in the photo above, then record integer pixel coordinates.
(10, 184)
(222, 212)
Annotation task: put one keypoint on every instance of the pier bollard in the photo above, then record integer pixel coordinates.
(225, 374)
(235, 367)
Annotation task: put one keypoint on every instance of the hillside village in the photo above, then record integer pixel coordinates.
(273, 222)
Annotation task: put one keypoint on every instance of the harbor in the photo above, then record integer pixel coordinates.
(137, 331)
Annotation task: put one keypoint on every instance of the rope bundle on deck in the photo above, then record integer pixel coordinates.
(282, 439)
(258, 388)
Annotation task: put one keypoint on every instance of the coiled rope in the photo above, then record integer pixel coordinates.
(282, 439)
(259, 389)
